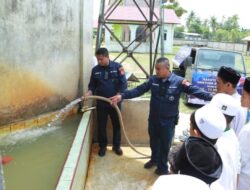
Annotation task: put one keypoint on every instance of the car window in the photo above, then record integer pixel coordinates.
(213, 59)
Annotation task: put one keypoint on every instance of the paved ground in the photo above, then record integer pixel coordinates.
(183, 125)
(124, 172)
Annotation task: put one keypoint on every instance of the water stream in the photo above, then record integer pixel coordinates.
(62, 114)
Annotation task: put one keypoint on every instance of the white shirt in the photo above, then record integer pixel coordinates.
(240, 119)
(244, 141)
(228, 148)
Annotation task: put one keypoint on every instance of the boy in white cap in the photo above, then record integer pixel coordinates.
(197, 156)
(226, 82)
(227, 145)
(244, 141)
(179, 182)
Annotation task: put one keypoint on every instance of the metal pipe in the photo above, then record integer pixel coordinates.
(162, 28)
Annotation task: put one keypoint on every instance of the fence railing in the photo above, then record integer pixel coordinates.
(239, 47)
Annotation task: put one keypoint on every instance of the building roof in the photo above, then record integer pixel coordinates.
(246, 38)
(132, 13)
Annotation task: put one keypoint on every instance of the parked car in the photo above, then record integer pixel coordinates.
(200, 66)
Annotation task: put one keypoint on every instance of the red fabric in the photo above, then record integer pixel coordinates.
(6, 159)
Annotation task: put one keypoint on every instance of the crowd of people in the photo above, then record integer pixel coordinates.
(216, 152)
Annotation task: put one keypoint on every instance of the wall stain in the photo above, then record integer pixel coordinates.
(24, 95)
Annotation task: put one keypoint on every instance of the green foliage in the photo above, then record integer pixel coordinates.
(178, 32)
(179, 11)
(228, 30)
(231, 23)
(117, 29)
(195, 26)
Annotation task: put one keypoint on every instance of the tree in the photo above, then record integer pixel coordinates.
(231, 23)
(234, 35)
(205, 29)
(221, 35)
(195, 26)
(178, 32)
(190, 18)
(179, 11)
(213, 23)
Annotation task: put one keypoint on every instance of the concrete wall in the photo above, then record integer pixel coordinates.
(240, 47)
(114, 46)
(45, 55)
(135, 118)
(75, 169)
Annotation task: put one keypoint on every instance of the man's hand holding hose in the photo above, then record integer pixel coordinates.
(86, 95)
(115, 99)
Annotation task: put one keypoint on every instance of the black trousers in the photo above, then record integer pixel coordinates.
(102, 116)
(161, 134)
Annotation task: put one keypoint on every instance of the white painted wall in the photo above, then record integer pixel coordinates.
(144, 47)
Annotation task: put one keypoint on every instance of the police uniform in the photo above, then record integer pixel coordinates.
(164, 112)
(107, 81)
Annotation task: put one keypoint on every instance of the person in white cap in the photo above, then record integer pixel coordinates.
(179, 182)
(227, 145)
(226, 82)
(197, 156)
(244, 141)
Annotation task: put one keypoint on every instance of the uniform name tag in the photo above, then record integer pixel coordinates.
(155, 84)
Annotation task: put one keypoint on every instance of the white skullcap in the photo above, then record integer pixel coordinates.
(226, 103)
(210, 121)
(179, 182)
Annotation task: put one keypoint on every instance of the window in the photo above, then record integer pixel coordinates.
(165, 36)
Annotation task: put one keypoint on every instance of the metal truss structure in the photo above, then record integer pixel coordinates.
(151, 23)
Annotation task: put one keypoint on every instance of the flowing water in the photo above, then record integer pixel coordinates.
(38, 155)
(62, 114)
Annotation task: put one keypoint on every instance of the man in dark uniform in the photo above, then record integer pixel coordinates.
(107, 79)
(166, 89)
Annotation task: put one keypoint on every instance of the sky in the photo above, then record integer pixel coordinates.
(218, 8)
(206, 9)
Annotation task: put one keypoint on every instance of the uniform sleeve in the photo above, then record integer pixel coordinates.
(122, 86)
(138, 91)
(92, 83)
(195, 91)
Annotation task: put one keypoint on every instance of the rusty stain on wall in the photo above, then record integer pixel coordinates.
(24, 95)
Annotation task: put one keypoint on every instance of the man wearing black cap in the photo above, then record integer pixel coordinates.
(230, 156)
(197, 156)
(226, 81)
(244, 141)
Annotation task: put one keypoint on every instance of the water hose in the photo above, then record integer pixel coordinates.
(120, 121)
